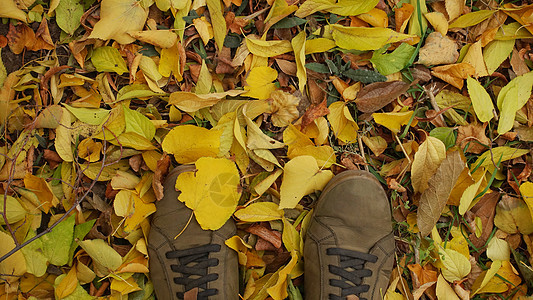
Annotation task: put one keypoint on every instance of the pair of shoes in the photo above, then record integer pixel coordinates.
(348, 250)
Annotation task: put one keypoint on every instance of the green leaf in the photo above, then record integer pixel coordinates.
(138, 123)
(445, 134)
(56, 244)
(472, 18)
(495, 52)
(393, 62)
(80, 231)
(102, 253)
(14, 211)
(289, 23)
(365, 76)
(135, 91)
(511, 98)
(68, 15)
(480, 100)
(36, 262)
(108, 59)
(91, 116)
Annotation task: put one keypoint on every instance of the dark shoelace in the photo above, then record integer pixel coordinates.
(351, 271)
(192, 265)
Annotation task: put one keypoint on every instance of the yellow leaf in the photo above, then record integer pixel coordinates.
(102, 254)
(90, 150)
(481, 100)
(454, 8)
(204, 29)
(324, 155)
(117, 17)
(377, 144)
(526, 189)
(474, 56)
(342, 123)
(211, 192)
(160, 38)
(14, 211)
(170, 63)
(394, 121)
(458, 243)
(218, 22)
(363, 38)
(133, 140)
(444, 291)
(298, 44)
(191, 102)
(15, 264)
(438, 21)
(456, 266)
(498, 249)
(67, 285)
(259, 82)
(375, 17)
(513, 216)
(10, 10)
(491, 157)
(258, 140)
(318, 45)
(205, 81)
(426, 161)
(280, 9)
(126, 286)
(454, 74)
(261, 187)
(260, 212)
(188, 143)
(283, 107)
(63, 138)
(496, 52)
(268, 48)
(290, 236)
(42, 190)
(468, 195)
(241, 247)
(511, 98)
(484, 282)
(471, 19)
(279, 290)
(301, 177)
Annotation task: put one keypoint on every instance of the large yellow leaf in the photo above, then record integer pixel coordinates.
(15, 264)
(259, 82)
(472, 18)
(188, 143)
(160, 38)
(426, 161)
(456, 266)
(302, 176)
(474, 56)
(363, 38)
(63, 140)
(279, 290)
(480, 100)
(492, 156)
(211, 192)
(484, 282)
(444, 291)
(106, 257)
(342, 123)
(495, 52)
(511, 98)
(498, 249)
(14, 211)
(117, 18)
(469, 194)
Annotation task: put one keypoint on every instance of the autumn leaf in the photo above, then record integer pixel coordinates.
(427, 159)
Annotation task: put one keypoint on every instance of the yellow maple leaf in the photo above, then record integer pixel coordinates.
(211, 192)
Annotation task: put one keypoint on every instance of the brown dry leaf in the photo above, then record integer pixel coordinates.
(274, 237)
(377, 95)
(438, 50)
(160, 173)
(484, 211)
(454, 74)
(314, 112)
(20, 37)
(474, 136)
(518, 64)
(434, 199)
(402, 16)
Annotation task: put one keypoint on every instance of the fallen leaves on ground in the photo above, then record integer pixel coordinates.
(266, 101)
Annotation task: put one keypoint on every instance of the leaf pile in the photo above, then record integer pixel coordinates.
(267, 100)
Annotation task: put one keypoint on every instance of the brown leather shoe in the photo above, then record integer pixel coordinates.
(197, 258)
(349, 246)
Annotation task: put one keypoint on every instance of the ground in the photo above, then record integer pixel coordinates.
(268, 100)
